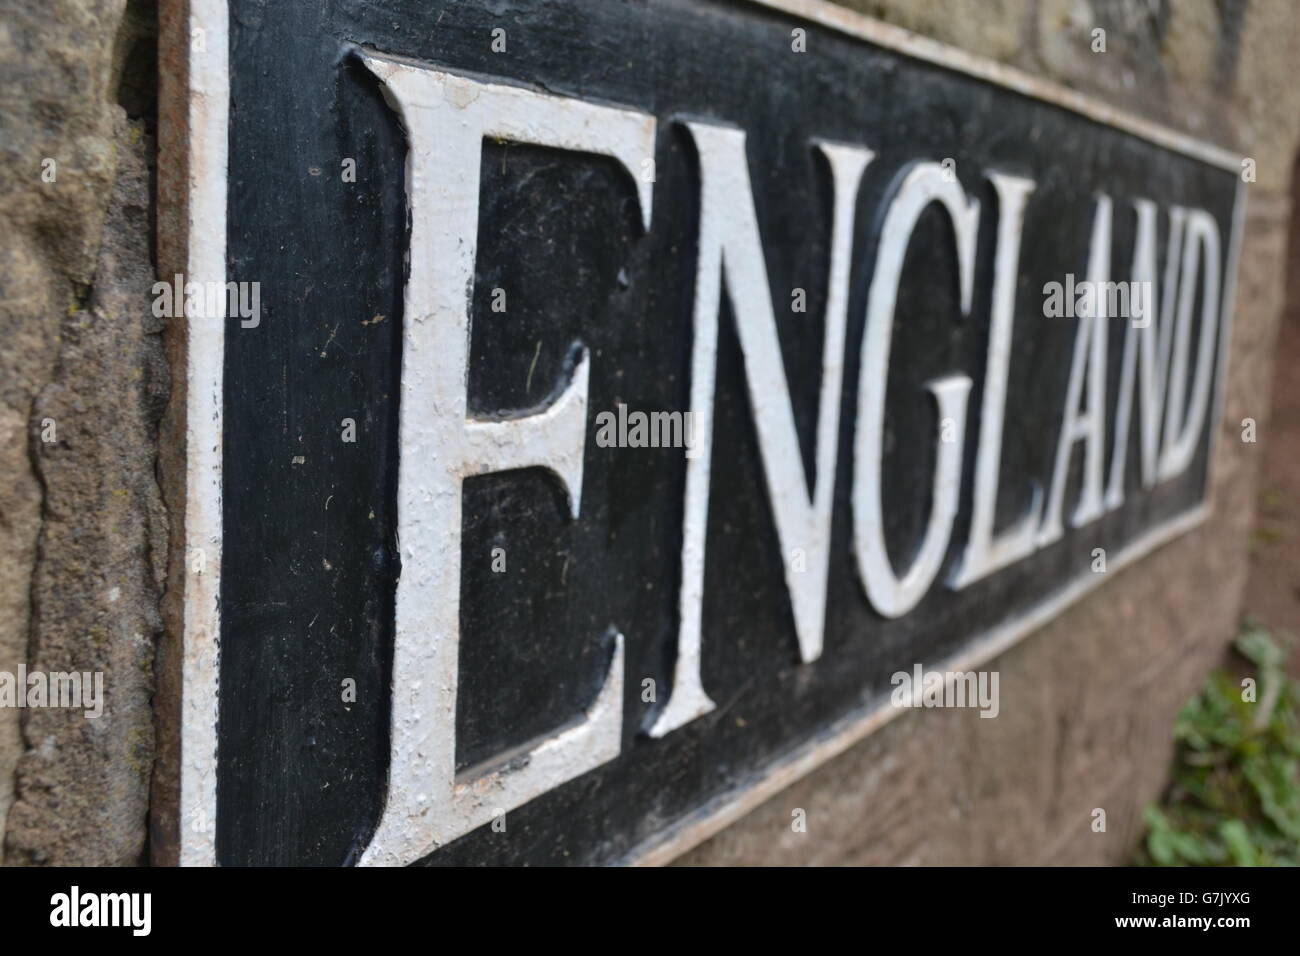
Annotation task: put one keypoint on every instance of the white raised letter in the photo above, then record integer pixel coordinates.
(446, 118)
(1183, 432)
(1089, 426)
(984, 553)
(890, 594)
(729, 237)
(1150, 345)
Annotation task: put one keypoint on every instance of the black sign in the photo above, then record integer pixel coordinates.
(624, 406)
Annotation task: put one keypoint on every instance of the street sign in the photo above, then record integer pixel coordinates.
(620, 408)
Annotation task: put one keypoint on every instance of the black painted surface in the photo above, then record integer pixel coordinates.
(309, 558)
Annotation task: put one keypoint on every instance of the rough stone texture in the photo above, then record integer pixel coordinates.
(991, 28)
(1087, 702)
(20, 501)
(79, 510)
(1273, 595)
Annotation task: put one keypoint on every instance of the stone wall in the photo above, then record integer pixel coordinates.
(82, 389)
(1087, 702)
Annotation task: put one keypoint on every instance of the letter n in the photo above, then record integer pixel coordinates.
(730, 246)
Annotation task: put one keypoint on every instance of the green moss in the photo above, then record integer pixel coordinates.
(1235, 794)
